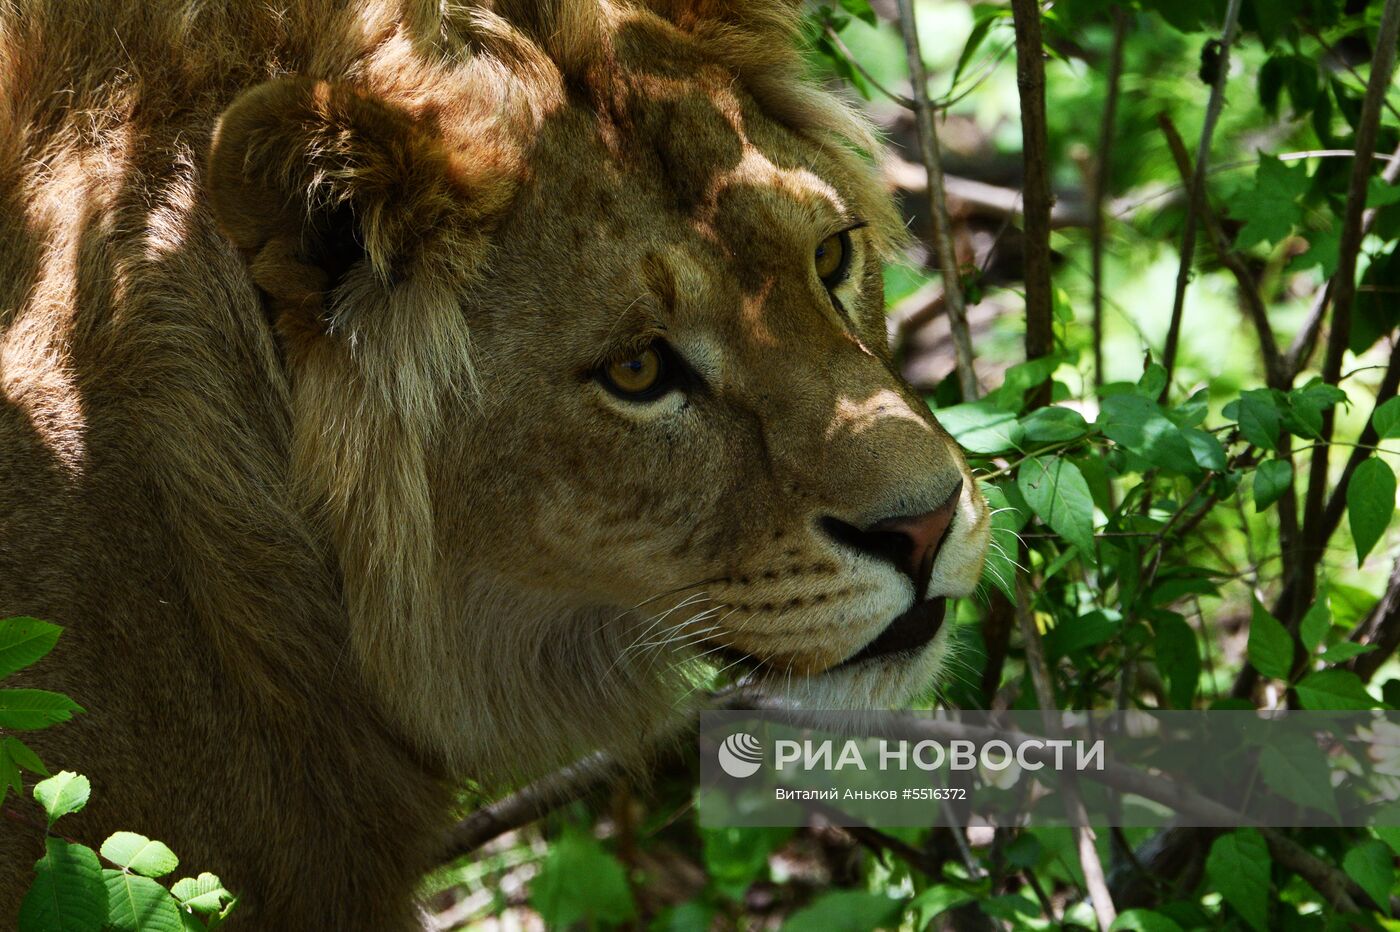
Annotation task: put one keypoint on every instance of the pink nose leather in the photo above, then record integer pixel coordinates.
(925, 534)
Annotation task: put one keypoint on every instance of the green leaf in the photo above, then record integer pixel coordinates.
(1372, 867)
(67, 894)
(1271, 479)
(1270, 648)
(1343, 651)
(1386, 417)
(1138, 424)
(1053, 424)
(20, 753)
(861, 10)
(204, 895)
(24, 640)
(1370, 504)
(1056, 491)
(935, 901)
(559, 897)
(975, 38)
(1208, 452)
(1238, 866)
(979, 426)
(61, 794)
(1258, 417)
(139, 854)
(1295, 768)
(1316, 623)
(28, 709)
(1143, 920)
(1333, 689)
(1178, 658)
(1078, 633)
(1270, 208)
(845, 911)
(139, 904)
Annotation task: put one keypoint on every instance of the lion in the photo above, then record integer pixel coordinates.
(400, 392)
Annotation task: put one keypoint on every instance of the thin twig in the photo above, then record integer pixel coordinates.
(1037, 200)
(1196, 197)
(1254, 305)
(1102, 166)
(938, 206)
(1089, 862)
(1380, 629)
(835, 37)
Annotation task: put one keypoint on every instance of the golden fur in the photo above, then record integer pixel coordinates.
(300, 307)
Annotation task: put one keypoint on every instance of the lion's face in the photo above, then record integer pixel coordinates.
(693, 417)
(587, 359)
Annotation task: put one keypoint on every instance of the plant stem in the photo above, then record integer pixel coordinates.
(1197, 193)
(944, 251)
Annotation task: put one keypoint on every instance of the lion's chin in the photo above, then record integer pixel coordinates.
(900, 664)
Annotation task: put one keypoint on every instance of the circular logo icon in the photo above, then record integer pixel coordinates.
(740, 755)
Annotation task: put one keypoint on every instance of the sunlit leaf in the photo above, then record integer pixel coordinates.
(1238, 866)
(1056, 491)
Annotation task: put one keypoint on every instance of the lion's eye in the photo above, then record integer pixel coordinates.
(637, 378)
(833, 259)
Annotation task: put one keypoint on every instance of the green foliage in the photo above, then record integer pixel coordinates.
(562, 900)
(72, 891)
(1238, 866)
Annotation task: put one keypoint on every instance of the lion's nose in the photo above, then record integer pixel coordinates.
(909, 543)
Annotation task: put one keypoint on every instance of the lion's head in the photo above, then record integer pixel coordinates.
(585, 326)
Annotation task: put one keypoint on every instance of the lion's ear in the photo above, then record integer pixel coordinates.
(310, 178)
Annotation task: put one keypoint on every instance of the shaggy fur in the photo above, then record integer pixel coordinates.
(301, 309)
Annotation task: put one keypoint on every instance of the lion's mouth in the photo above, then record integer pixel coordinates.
(908, 633)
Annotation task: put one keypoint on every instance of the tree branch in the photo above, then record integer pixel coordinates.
(1196, 196)
(1037, 200)
(938, 205)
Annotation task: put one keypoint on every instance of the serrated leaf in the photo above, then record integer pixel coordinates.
(845, 911)
(1270, 208)
(1343, 651)
(1053, 424)
(204, 894)
(1143, 920)
(562, 901)
(67, 894)
(1370, 504)
(1270, 649)
(1386, 417)
(1208, 452)
(29, 709)
(1271, 479)
(23, 640)
(979, 426)
(1238, 867)
(1296, 769)
(1138, 424)
(1333, 690)
(63, 793)
(139, 854)
(20, 753)
(139, 904)
(1316, 623)
(1373, 869)
(1056, 491)
(1178, 658)
(1258, 417)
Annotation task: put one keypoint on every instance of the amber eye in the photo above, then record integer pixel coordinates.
(833, 259)
(637, 377)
